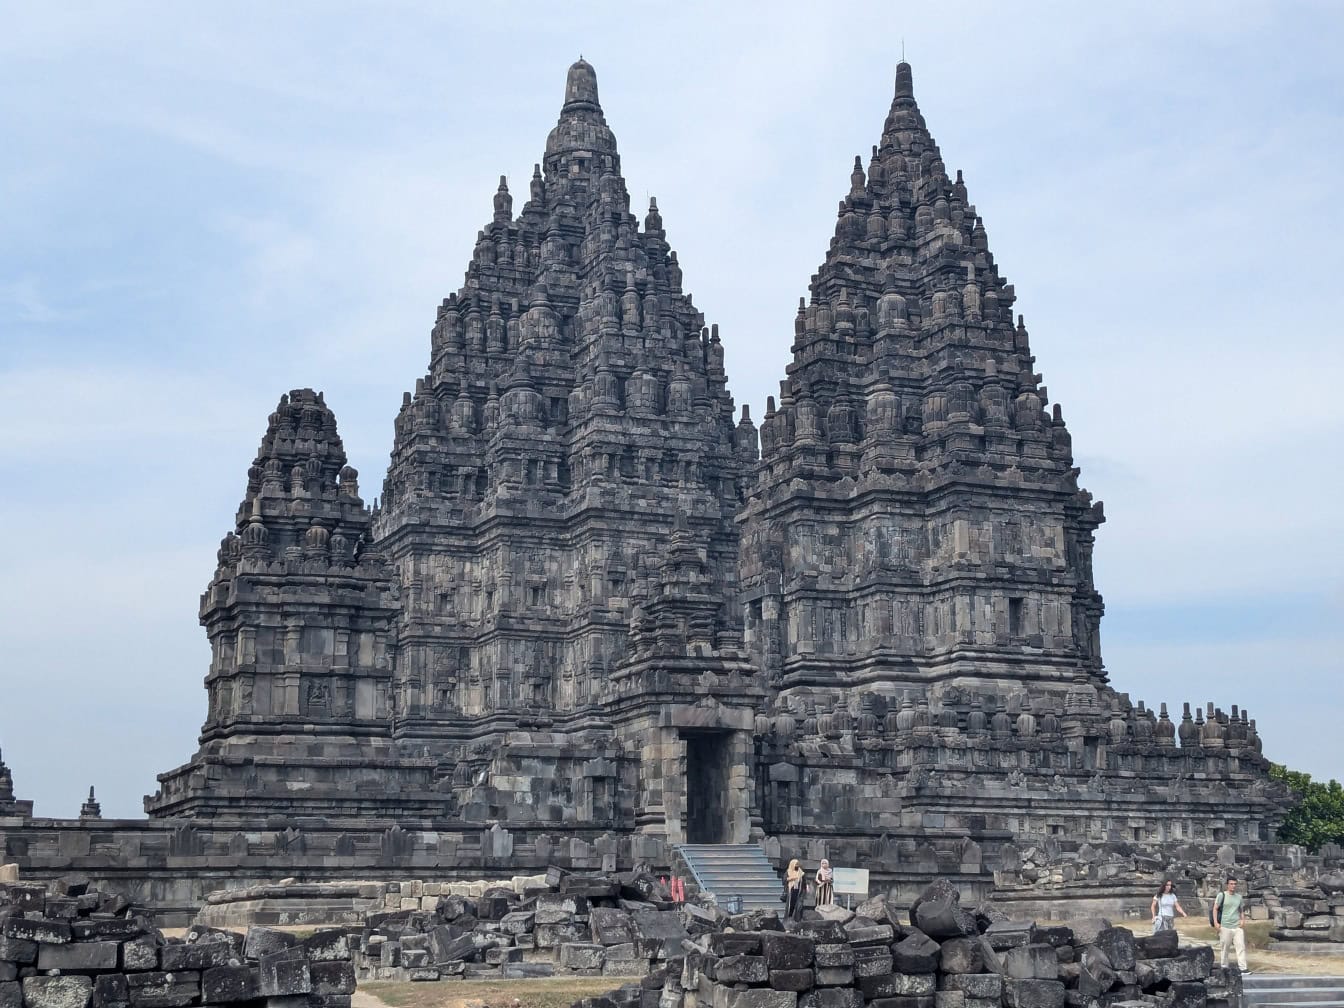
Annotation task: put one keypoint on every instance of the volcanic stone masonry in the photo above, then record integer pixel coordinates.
(72, 946)
(944, 956)
(593, 615)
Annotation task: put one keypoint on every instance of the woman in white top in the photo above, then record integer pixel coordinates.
(1165, 908)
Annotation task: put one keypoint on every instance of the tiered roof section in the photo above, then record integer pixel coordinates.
(575, 409)
(915, 499)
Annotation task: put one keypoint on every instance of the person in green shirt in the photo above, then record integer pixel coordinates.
(1227, 916)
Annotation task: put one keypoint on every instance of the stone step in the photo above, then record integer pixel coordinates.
(1270, 990)
(1294, 993)
(1290, 981)
(733, 872)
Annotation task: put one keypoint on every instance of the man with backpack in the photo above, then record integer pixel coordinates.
(1227, 917)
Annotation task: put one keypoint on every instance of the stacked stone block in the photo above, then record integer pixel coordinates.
(944, 956)
(70, 946)
(582, 925)
(1310, 919)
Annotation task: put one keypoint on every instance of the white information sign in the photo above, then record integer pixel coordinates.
(851, 881)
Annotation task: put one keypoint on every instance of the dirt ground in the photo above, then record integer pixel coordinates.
(550, 992)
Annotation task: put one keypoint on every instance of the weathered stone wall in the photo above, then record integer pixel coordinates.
(72, 946)
(1310, 918)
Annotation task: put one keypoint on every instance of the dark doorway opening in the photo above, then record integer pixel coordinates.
(707, 770)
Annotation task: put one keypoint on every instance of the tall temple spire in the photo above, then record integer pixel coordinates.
(299, 616)
(570, 360)
(910, 380)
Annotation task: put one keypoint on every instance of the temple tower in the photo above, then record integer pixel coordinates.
(300, 617)
(560, 500)
(917, 518)
(916, 565)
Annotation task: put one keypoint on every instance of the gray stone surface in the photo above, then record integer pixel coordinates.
(79, 957)
(164, 990)
(57, 991)
(226, 984)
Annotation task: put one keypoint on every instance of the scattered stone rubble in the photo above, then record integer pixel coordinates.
(1310, 919)
(71, 946)
(1065, 880)
(560, 923)
(949, 957)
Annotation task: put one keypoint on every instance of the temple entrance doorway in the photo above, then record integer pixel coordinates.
(707, 770)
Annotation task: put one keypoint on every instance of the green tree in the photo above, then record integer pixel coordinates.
(1317, 817)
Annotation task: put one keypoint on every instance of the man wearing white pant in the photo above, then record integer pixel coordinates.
(1227, 923)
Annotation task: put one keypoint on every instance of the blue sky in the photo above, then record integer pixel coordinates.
(206, 207)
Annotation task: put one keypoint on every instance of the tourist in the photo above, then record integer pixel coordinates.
(1227, 916)
(1165, 908)
(825, 884)
(793, 890)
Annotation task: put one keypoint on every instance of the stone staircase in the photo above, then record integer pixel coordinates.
(1270, 990)
(731, 872)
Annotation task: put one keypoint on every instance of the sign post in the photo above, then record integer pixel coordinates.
(850, 882)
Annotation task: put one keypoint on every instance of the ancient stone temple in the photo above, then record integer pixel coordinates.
(586, 622)
(560, 514)
(917, 559)
(560, 507)
(300, 614)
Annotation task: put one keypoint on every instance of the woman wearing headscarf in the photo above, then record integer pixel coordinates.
(793, 890)
(825, 883)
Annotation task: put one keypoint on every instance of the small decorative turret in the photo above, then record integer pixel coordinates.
(1213, 736)
(503, 202)
(90, 809)
(1117, 727)
(6, 783)
(867, 726)
(1001, 726)
(1236, 729)
(976, 722)
(653, 220)
(1165, 732)
(1189, 734)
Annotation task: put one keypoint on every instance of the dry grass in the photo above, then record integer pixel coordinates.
(544, 992)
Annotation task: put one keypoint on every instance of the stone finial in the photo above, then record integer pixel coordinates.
(905, 82)
(91, 809)
(581, 85)
(503, 202)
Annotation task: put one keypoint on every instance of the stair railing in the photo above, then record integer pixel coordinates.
(690, 866)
